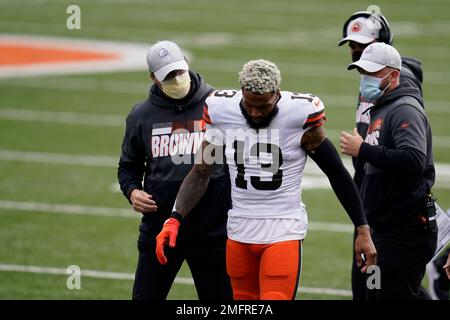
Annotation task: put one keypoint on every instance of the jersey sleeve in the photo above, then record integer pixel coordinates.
(315, 114)
(206, 118)
(213, 134)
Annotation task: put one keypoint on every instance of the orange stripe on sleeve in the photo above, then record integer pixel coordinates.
(320, 116)
(315, 120)
(206, 116)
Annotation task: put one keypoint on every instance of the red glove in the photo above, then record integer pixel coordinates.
(168, 234)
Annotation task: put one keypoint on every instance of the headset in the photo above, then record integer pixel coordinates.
(385, 34)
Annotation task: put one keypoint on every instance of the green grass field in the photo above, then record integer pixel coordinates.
(301, 37)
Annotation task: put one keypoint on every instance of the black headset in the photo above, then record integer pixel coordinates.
(385, 34)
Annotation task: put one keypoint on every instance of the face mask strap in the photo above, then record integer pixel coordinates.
(389, 84)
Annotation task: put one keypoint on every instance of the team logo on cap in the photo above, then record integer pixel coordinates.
(356, 27)
(163, 52)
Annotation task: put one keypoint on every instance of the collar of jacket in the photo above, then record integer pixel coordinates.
(403, 89)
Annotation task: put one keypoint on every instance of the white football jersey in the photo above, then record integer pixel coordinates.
(266, 165)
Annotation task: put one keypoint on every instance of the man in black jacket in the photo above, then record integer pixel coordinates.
(163, 134)
(361, 29)
(399, 172)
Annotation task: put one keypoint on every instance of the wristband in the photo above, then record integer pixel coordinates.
(176, 215)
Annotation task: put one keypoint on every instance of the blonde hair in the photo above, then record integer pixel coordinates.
(260, 76)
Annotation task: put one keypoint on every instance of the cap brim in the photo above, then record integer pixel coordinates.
(164, 71)
(368, 66)
(356, 38)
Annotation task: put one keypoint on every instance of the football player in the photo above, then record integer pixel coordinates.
(267, 135)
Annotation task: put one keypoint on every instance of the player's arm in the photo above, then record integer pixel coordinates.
(325, 155)
(194, 185)
(196, 182)
(323, 152)
(191, 191)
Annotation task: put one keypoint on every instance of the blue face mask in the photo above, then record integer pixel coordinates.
(370, 87)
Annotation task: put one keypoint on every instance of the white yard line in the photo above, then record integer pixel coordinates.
(59, 158)
(75, 209)
(85, 84)
(330, 227)
(130, 276)
(71, 209)
(88, 119)
(141, 88)
(270, 35)
(214, 65)
(313, 177)
(112, 120)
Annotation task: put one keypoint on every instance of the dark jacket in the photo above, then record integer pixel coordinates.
(156, 129)
(410, 74)
(398, 157)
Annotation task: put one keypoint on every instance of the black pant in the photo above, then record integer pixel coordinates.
(153, 281)
(359, 281)
(402, 258)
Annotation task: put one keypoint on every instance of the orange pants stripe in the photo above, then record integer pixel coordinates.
(264, 271)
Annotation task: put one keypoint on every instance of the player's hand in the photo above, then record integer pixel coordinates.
(447, 267)
(351, 143)
(364, 246)
(142, 201)
(168, 234)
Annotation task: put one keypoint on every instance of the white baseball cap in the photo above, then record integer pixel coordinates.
(377, 56)
(164, 57)
(362, 30)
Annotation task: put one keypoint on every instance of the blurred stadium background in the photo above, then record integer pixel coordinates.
(60, 135)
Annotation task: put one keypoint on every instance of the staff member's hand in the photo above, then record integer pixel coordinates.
(350, 143)
(447, 267)
(142, 201)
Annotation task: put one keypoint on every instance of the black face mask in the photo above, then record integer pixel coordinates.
(356, 55)
(262, 124)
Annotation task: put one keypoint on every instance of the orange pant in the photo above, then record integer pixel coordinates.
(264, 271)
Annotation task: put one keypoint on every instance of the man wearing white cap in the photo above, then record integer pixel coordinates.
(168, 68)
(168, 126)
(398, 173)
(361, 29)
